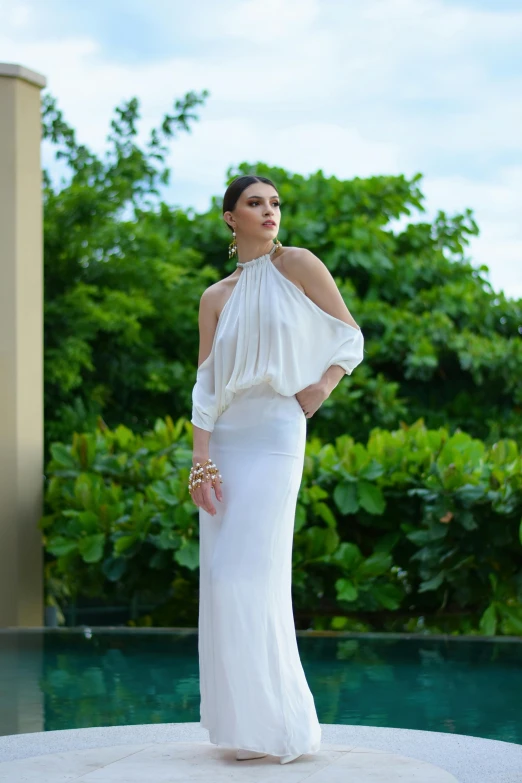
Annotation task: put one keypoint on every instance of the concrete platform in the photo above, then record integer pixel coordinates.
(185, 761)
(181, 752)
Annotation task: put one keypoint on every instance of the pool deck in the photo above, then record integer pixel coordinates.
(182, 752)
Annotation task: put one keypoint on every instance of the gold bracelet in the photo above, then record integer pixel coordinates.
(201, 473)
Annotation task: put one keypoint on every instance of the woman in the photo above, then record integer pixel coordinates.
(275, 339)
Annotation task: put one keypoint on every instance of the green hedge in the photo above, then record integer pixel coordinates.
(417, 529)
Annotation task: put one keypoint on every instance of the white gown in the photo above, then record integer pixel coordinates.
(271, 341)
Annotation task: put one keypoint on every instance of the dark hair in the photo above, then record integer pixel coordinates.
(235, 189)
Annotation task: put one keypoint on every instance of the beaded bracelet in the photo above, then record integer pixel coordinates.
(201, 473)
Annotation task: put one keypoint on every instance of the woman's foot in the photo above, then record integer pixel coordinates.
(287, 759)
(242, 755)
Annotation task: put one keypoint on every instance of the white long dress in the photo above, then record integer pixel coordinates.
(271, 341)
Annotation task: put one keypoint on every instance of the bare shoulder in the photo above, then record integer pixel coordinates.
(301, 266)
(295, 257)
(207, 302)
(314, 278)
(209, 310)
(215, 296)
(288, 261)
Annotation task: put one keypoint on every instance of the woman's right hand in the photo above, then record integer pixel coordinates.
(202, 495)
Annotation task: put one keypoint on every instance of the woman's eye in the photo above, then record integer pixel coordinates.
(275, 204)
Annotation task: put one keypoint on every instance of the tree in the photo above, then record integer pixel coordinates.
(124, 271)
(121, 291)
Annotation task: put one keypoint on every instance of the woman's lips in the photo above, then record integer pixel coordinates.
(270, 225)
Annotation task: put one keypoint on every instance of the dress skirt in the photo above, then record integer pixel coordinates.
(254, 693)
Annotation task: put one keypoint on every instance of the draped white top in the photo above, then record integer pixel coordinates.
(269, 331)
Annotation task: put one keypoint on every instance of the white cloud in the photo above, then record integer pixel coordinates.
(497, 208)
(384, 86)
(262, 23)
(19, 16)
(336, 150)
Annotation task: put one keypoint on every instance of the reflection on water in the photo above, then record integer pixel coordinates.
(69, 679)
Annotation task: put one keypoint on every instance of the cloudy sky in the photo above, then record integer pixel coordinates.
(352, 87)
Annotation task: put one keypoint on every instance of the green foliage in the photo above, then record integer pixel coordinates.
(416, 523)
(418, 528)
(445, 507)
(122, 522)
(124, 272)
(121, 289)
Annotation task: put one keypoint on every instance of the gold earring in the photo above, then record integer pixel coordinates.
(232, 248)
(277, 243)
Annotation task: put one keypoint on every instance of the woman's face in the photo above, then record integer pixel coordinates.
(256, 205)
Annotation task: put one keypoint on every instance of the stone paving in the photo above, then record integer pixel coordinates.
(181, 752)
(186, 761)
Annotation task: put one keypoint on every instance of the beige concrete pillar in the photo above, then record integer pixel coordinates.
(21, 348)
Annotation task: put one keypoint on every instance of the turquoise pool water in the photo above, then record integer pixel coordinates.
(64, 679)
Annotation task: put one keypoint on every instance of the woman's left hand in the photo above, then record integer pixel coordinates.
(312, 397)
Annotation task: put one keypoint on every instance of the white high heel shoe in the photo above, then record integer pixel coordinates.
(288, 759)
(243, 755)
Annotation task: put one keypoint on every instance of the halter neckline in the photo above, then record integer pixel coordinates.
(258, 260)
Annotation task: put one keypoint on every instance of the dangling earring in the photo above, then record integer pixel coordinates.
(232, 248)
(277, 243)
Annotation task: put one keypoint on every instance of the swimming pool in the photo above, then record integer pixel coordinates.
(77, 678)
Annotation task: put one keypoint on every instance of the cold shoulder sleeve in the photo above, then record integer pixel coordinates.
(317, 339)
(204, 398)
(270, 332)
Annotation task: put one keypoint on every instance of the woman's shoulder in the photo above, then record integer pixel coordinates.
(297, 258)
(316, 281)
(216, 295)
(292, 253)
(295, 263)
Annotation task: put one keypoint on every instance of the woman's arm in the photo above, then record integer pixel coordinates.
(315, 278)
(207, 321)
(319, 285)
(331, 378)
(321, 288)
